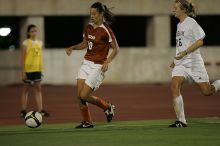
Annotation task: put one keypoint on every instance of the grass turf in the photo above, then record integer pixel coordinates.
(201, 132)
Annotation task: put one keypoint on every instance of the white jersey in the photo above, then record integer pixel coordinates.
(188, 32)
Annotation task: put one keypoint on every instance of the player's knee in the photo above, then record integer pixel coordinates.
(207, 92)
(83, 99)
(83, 102)
(83, 96)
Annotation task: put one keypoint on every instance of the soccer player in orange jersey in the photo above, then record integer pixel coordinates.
(98, 38)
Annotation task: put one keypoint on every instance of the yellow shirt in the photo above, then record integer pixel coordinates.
(33, 58)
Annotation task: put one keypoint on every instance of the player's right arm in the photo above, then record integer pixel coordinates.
(79, 46)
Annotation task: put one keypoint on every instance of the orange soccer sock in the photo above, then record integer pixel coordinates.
(102, 103)
(86, 114)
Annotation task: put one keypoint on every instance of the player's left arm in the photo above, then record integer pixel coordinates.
(191, 49)
(115, 50)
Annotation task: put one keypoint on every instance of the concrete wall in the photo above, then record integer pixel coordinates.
(132, 65)
(137, 65)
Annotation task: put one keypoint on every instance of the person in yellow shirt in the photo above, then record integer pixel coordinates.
(31, 66)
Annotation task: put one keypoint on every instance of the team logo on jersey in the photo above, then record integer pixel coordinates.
(180, 33)
(91, 37)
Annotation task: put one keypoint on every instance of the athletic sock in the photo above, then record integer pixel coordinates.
(179, 108)
(216, 84)
(86, 114)
(101, 103)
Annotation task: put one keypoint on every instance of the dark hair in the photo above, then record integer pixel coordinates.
(29, 29)
(107, 14)
(188, 7)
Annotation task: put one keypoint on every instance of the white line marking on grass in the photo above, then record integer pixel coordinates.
(131, 125)
(121, 125)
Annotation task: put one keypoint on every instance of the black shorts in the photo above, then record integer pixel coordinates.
(33, 77)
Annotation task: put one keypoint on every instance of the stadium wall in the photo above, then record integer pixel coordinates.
(131, 66)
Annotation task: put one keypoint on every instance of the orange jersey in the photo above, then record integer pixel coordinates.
(98, 40)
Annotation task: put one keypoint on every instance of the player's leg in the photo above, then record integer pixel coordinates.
(90, 78)
(93, 82)
(107, 107)
(200, 76)
(98, 101)
(178, 105)
(208, 89)
(39, 99)
(38, 95)
(83, 103)
(24, 98)
(36, 78)
(85, 95)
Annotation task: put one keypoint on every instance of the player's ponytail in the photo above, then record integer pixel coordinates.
(107, 14)
(188, 6)
(191, 9)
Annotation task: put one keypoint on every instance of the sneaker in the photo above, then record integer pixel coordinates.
(109, 112)
(44, 113)
(216, 84)
(85, 124)
(23, 113)
(178, 124)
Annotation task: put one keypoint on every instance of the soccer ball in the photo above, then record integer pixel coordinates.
(33, 119)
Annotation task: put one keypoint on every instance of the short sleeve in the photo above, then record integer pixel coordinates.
(25, 43)
(198, 32)
(110, 34)
(41, 43)
(85, 32)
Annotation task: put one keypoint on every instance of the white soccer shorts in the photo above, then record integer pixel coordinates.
(92, 74)
(198, 72)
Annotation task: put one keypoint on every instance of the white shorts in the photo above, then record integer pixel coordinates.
(197, 73)
(92, 74)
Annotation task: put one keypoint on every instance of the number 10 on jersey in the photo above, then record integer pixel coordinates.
(90, 45)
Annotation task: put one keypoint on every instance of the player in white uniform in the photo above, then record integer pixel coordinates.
(188, 62)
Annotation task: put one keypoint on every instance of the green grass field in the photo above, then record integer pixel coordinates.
(201, 132)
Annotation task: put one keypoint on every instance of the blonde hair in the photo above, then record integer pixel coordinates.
(188, 6)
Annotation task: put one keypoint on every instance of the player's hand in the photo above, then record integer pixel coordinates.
(180, 55)
(69, 51)
(172, 65)
(105, 66)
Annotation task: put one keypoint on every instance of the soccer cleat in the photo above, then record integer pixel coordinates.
(23, 113)
(216, 84)
(44, 113)
(85, 124)
(178, 124)
(109, 112)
